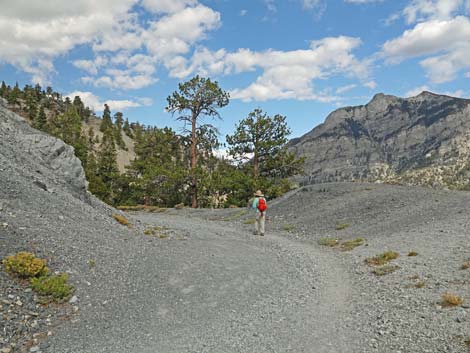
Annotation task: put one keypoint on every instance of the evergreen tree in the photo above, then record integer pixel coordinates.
(118, 122)
(40, 121)
(107, 169)
(127, 129)
(195, 99)
(106, 123)
(262, 140)
(3, 90)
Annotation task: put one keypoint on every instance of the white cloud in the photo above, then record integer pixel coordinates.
(424, 10)
(447, 40)
(95, 103)
(243, 12)
(416, 91)
(362, 1)
(285, 74)
(34, 33)
(167, 6)
(344, 89)
(370, 84)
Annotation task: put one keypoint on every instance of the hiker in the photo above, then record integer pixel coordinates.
(260, 205)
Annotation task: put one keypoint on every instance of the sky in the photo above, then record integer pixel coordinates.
(298, 58)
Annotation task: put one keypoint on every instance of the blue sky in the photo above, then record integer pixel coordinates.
(298, 58)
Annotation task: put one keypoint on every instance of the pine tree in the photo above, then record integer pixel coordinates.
(40, 121)
(118, 122)
(106, 123)
(107, 166)
(3, 89)
(195, 99)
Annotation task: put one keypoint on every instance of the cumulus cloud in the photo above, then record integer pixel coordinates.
(95, 103)
(344, 89)
(35, 33)
(447, 40)
(285, 74)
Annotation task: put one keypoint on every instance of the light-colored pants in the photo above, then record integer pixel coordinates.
(259, 224)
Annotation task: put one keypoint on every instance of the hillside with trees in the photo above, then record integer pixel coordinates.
(127, 163)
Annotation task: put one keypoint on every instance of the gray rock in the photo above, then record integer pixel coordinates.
(385, 137)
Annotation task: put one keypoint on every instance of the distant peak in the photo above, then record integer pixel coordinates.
(427, 93)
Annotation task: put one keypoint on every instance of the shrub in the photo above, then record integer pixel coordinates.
(121, 219)
(384, 270)
(412, 253)
(25, 265)
(328, 242)
(382, 259)
(54, 286)
(249, 221)
(342, 226)
(450, 299)
(466, 265)
(420, 284)
(351, 244)
(288, 227)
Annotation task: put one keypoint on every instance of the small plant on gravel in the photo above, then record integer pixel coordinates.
(54, 287)
(351, 244)
(331, 242)
(420, 284)
(235, 216)
(384, 270)
(466, 342)
(341, 226)
(288, 227)
(450, 299)
(91, 263)
(466, 265)
(121, 219)
(25, 265)
(412, 253)
(249, 221)
(382, 259)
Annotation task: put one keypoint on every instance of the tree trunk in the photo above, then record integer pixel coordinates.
(193, 162)
(256, 165)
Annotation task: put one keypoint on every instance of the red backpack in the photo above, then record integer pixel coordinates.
(262, 206)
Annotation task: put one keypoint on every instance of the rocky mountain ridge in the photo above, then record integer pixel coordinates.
(418, 140)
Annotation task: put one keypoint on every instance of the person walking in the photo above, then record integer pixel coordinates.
(260, 205)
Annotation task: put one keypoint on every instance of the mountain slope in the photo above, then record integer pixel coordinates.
(390, 138)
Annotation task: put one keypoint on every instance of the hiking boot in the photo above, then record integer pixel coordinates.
(262, 234)
(255, 233)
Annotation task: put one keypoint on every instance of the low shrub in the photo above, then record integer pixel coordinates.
(342, 226)
(25, 265)
(249, 221)
(382, 259)
(420, 284)
(121, 219)
(54, 286)
(351, 244)
(384, 270)
(288, 227)
(450, 299)
(412, 253)
(466, 265)
(331, 242)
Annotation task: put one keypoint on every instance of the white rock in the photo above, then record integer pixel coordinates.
(73, 300)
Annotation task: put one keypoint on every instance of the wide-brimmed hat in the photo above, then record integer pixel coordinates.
(258, 193)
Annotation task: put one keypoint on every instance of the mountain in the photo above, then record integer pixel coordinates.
(419, 140)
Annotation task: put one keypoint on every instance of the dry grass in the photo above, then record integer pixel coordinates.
(450, 299)
(331, 242)
(412, 253)
(179, 206)
(384, 270)
(158, 231)
(121, 219)
(420, 284)
(341, 226)
(288, 227)
(143, 208)
(466, 265)
(249, 221)
(351, 244)
(235, 216)
(382, 259)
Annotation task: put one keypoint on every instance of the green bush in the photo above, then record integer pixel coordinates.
(25, 265)
(54, 286)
